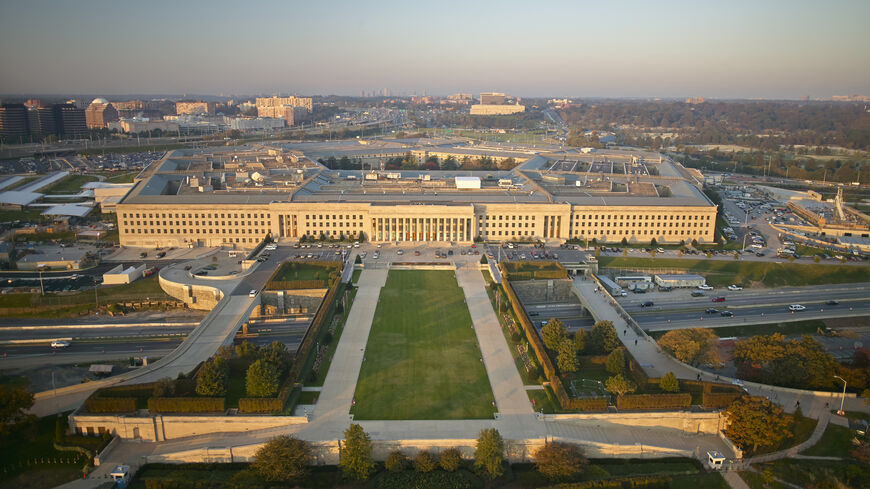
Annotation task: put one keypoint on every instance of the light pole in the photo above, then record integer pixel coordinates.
(843, 399)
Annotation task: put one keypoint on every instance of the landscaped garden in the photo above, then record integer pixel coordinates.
(304, 275)
(422, 359)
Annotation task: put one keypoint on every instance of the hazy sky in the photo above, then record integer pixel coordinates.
(717, 49)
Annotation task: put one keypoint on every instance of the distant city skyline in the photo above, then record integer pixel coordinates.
(668, 49)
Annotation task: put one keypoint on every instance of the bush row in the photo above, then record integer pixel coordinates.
(260, 405)
(641, 482)
(314, 330)
(297, 284)
(587, 404)
(654, 401)
(186, 404)
(110, 404)
(717, 400)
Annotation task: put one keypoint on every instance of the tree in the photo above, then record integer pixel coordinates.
(754, 422)
(425, 462)
(603, 338)
(247, 350)
(282, 459)
(619, 385)
(566, 359)
(615, 362)
(14, 401)
(801, 363)
(211, 380)
(261, 380)
(489, 453)
(396, 461)
(450, 459)
(276, 353)
(669, 383)
(559, 461)
(693, 346)
(653, 242)
(580, 341)
(355, 457)
(553, 333)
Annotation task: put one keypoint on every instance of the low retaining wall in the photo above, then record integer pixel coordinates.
(169, 427)
(196, 296)
(688, 422)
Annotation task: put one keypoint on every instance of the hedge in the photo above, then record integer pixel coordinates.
(260, 405)
(313, 332)
(716, 400)
(110, 404)
(587, 404)
(297, 284)
(654, 401)
(186, 404)
(641, 482)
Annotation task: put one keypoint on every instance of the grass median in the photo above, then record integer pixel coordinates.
(422, 359)
(721, 273)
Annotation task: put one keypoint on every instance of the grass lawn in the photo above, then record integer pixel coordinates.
(23, 216)
(801, 429)
(355, 277)
(71, 184)
(122, 177)
(835, 442)
(792, 328)
(755, 481)
(295, 270)
(25, 456)
(308, 397)
(422, 359)
(720, 273)
(710, 480)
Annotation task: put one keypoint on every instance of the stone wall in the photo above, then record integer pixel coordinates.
(195, 296)
(169, 427)
(552, 290)
(688, 422)
(302, 301)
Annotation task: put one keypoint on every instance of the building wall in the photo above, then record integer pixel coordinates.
(483, 109)
(169, 427)
(243, 226)
(306, 102)
(194, 108)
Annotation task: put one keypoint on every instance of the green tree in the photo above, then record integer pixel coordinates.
(580, 341)
(669, 383)
(694, 346)
(615, 362)
(276, 353)
(553, 333)
(619, 385)
(566, 359)
(489, 453)
(282, 459)
(450, 459)
(247, 350)
(262, 379)
(425, 462)
(755, 422)
(396, 461)
(355, 457)
(559, 461)
(602, 339)
(211, 380)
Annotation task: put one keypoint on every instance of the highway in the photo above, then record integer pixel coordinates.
(677, 309)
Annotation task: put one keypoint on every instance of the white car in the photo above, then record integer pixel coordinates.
(363, 254)
(734, 287)
(796, 307)
(252, 293)
(705, 287)
(59, 344)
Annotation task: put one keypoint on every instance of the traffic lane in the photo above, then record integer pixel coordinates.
(132, 346)
(50, 333)
(748, 315)
(664, 300)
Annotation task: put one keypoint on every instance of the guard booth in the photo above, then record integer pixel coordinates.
(121, 476)
(715, 460)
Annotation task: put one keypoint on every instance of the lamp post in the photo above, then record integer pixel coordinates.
(843, 399)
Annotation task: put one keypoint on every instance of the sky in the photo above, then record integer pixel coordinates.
(716, 49)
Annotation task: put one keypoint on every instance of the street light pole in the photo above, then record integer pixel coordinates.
(843, 399)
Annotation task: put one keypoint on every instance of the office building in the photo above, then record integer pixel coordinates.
(13, 121)
(195, 108)
(306, 102)
(492, 98)
(69, 120)
(100, 113)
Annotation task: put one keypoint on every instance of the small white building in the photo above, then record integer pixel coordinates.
(715, 460)
(679, 280)
(468, 182)
(120, 275)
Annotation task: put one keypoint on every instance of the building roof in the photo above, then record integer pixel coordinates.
(75, 210)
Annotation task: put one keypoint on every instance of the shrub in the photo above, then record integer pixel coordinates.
(186, 404)
(282, 459)
(211, 379)
(716, 400)
(615, 363)
(619, 385)
(261, 379)
(110, 404)
(450, 459)
(396, 461)
(489, 453)
(355, 457)
(425, 462)
(559, 461)
(669, 383)
(654, 401)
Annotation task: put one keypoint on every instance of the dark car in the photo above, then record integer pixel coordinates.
(712, 311)
(698, 293)
(727, 314)
(719, 299)
(832, 302)
(647, 304)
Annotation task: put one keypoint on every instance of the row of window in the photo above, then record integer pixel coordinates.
(646, 217)
(259, 232)
(195, 215)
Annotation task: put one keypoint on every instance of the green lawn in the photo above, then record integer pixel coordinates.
(810, 326)
(755, 481)
(296, 270)
(24, 216)
(835, 442)
(71, 184)
(422, 359)
(721, 273)
(355, 277)
(330, 349)
(122, 177)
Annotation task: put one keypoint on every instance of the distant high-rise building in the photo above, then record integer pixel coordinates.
(69, 120)
(13, 121)
(129, 105)
(492, 98)
(41, 121)
(494, 103)
(100, 113)
(195, 108)
(306, 102)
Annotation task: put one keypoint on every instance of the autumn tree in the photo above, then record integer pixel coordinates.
(425, 462)
(396, 461)
(489, 453)
(553, 333)
(669, 383)
(450, 459)
(615, 362)
(694, 346)
(619, 385)
(355, 456)
(774, 359)
(282, 459)
(261, 379)
(754, 422)
(559, 461)
(580, 341)
(602, 339)
(566, 359)
(211, 380)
